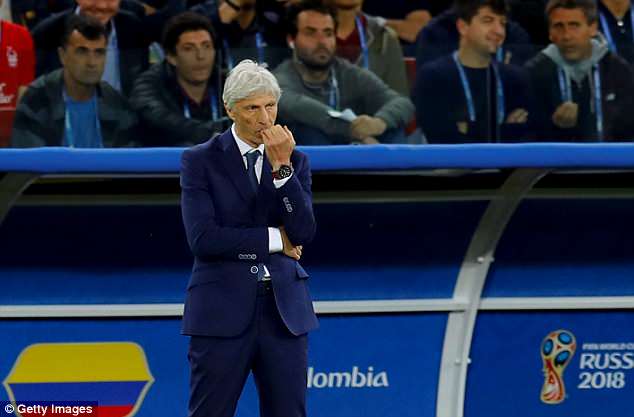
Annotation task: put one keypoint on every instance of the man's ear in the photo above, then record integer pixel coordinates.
(290, 41)
(61, 53)
(462, 26)
(171, 59)
(229, 111)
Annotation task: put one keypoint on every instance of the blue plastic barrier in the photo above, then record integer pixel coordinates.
(438, 273)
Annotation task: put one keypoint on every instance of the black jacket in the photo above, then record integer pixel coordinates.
(133, 45)
(159, 102)
(617, 92)
(39, 118)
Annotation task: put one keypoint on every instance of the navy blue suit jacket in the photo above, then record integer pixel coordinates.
(227, 229)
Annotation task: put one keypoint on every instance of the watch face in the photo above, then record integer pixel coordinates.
(285, 171)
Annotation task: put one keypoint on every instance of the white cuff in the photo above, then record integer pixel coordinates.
(275, 239)
(280, 183)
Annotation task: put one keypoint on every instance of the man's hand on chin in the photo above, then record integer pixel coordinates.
(278, 144)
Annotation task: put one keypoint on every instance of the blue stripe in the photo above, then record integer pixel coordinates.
(104, 393)
(325, 158)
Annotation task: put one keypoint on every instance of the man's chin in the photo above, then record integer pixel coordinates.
(318, 65)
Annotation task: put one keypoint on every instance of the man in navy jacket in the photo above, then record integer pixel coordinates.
(467, 96)
(247, 209)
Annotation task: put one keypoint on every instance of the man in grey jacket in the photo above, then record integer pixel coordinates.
(327, 100)
(71, 106)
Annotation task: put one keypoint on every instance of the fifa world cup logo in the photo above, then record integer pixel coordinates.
(557, 350)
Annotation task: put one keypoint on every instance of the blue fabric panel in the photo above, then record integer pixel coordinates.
(566, 248)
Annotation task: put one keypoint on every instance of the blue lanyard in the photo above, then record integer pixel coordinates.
(69, 126)
(598, 105)
(566, 95)
(364, 45)
(333, 99)
(564, 86)
(213, 104)
(469, 97)
(606, 30)
(259, 44)
(228, 57)
(499, 55)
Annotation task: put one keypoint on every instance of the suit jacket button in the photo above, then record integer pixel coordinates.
(254, 269)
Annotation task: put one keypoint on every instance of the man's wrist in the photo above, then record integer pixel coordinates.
(282, 172)
(276, 165)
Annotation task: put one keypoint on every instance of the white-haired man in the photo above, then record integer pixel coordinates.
(247, 210)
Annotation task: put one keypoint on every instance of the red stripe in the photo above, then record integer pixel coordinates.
(114, 410)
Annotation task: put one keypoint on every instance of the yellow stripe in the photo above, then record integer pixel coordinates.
(80, 362)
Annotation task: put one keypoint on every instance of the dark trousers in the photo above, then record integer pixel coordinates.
(277, 358)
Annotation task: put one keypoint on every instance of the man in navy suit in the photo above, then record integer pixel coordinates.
(247, 209)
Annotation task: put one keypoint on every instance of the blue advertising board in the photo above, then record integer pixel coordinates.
(365, 365)
(552, 364)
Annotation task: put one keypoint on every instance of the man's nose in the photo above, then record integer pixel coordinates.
(263, 116)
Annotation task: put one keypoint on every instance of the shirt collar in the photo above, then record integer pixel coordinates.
(242, 145)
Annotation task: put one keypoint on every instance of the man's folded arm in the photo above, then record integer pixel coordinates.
(296, 206)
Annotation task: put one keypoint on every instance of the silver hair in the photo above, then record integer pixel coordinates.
(246, 79)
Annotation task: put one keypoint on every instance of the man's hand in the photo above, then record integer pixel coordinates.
(279, 144)
(369, 141)
(227, 13)
(289, 250)
(566, 115)
(517, 116)
(364, 126)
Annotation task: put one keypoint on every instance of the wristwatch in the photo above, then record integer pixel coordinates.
(285, 171)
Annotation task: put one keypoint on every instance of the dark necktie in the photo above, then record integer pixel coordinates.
(252, 158)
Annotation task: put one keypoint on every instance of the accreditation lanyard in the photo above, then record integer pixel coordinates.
(364, 44)
(70, 135)
(608, 34)
(469, 97)
(259, 45)
(566, 95)
(499, 55)
(213, 105)
(333, 99)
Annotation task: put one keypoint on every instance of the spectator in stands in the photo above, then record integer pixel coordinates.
(17, 70)
(440, 37)
(128, 39)
(327, 100)
(616, 22)
(586, 91)
(363, 41)
(406, 17)
(178, 100)
(30, 12)
(70, 106)
(246, 31)
(467, 96)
